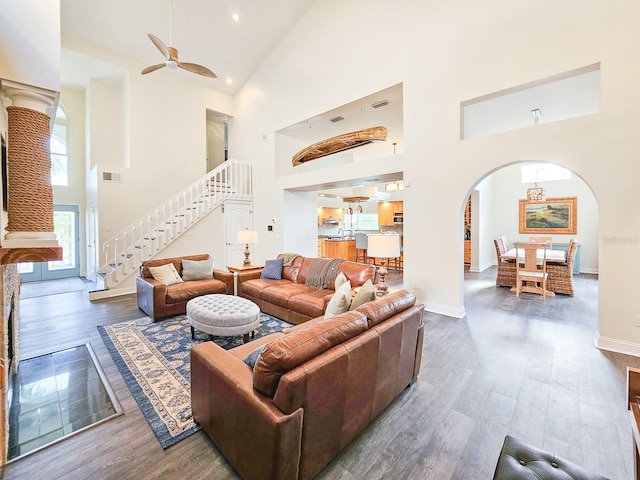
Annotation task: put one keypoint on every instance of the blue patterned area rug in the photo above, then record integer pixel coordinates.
(153, 358)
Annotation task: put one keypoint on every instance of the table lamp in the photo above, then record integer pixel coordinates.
(247, 236)
(383, 247)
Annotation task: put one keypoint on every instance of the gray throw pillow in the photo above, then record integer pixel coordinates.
(272, 269)
(253, 357)
(197, 269)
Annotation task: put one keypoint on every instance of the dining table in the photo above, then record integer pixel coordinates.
(553, 256)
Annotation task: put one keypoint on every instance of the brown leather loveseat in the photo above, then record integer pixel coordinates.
(289, 299)
(313, 389)
(160, 301)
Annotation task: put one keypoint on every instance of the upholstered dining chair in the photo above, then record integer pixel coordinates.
(532, 268)
(561, 274)
(506, 243)
(506, 276)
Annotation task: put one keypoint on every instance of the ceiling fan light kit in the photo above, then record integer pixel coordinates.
(170, 55)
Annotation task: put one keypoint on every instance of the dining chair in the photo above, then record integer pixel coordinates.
(532, 269)
(546, 240)
(561, 274)
(506, 243)
(506, 276)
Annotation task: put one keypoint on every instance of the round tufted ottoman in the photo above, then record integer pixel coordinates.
(223, 315)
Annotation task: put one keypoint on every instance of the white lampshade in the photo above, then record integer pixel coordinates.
(247, 236)
(383, 246)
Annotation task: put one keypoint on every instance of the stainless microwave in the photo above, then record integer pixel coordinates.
(397, 219)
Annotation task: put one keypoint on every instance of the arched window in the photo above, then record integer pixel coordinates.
(59, 151)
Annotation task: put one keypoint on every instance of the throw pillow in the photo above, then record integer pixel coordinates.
(290, 351)
(366, 293)
(272, 269)
(340, 301)
(197, 269)
(166, 274)
(340, 279)
(253, 357)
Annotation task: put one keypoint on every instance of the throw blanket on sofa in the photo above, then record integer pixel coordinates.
(322, 272)
(288, 258)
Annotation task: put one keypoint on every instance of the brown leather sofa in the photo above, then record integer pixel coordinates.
(312, 390)
(160, 301)
(290, 299)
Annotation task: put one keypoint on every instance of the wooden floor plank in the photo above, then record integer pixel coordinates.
(512, 366)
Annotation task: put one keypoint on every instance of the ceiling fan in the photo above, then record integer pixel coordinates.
(171, 56)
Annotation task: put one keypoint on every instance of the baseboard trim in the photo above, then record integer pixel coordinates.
(482, 268)
(593, 271)
(112, 292)
(445, 310)
(617, 346)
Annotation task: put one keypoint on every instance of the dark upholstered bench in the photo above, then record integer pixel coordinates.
(521, 461)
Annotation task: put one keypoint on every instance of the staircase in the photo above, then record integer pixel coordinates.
(147, 236)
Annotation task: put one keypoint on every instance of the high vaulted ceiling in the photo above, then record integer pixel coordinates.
(203, 31)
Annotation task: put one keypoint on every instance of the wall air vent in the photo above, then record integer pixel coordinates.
(381, 103)
(336, 119)
(111, 177)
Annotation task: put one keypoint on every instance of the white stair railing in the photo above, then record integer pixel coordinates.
(145, 237)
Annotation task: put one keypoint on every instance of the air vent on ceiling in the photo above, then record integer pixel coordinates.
(111, 177)
(336, 119)
(381, 103)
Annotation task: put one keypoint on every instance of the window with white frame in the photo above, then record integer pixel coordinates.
(543, 172)
(59, 151)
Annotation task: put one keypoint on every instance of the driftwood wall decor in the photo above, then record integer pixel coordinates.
(339, 144)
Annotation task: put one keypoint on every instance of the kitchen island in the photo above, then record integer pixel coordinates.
(339, 248)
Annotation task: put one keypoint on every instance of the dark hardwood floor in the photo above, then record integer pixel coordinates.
(522, 367)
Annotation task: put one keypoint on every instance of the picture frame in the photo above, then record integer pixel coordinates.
(552, 216)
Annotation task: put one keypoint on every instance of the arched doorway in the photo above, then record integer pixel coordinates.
(494, 212)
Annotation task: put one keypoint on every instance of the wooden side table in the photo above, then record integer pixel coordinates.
(235, 269)
(244, 268)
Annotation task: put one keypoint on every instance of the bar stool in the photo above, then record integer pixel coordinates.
(361, 247)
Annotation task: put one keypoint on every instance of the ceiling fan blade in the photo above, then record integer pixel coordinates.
(153, 68)
(160, 46)
(195, 68)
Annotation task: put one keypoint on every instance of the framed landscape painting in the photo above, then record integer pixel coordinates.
(553, 215)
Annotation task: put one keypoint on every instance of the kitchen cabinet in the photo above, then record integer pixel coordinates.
(340, 249)
(322, 247)
(386, 212)
(328, 212)
(467, 232)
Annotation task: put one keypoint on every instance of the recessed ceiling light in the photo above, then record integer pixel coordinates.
(236, 17)
(229, 81)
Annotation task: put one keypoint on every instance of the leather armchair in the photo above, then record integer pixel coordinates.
(160, 301)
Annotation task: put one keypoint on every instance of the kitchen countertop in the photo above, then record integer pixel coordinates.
(343, 239)
(336, 238)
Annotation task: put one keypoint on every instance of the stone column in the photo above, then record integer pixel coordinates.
(30, 195)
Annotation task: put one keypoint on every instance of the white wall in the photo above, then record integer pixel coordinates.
(152, 128)
(482, 224)
(74, 193)
(30, 52)
(445, 54)
(507, 193)
(298, 235)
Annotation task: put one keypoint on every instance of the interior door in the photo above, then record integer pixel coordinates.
(66, 221)
(237, 216)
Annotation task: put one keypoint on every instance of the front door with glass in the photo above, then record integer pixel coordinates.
(66, 225)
